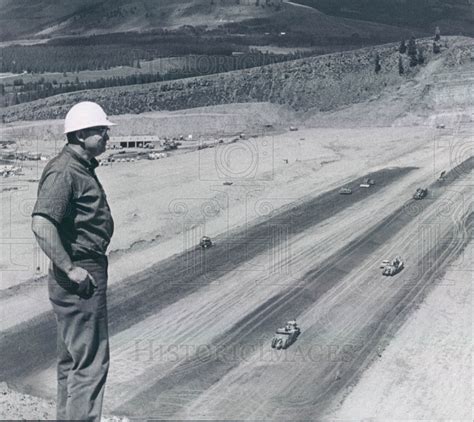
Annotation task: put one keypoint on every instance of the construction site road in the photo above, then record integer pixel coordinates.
(136, 298)
(346, 309)
(351, 309)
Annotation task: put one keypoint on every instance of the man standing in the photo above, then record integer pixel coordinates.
(73, 226)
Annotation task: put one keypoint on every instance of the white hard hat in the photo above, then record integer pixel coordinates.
(84, 115)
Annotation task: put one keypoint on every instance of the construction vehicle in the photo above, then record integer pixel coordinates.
(205, 242)
(170, 145)
(10, 170)
(367, 183)
(345, 191)
(123, 155)
(420, 193)
(393, 267)
(286, 336)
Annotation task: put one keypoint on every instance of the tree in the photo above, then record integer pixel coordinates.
(377, 63)
(403, 48)
(14, 99)
(401, 69)
(437, 34)
(421, 57)
(412, 52)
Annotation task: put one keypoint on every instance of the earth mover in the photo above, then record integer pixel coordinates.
(345, 191)
(367, 183)
(205, 242)
(420, 193)
(286, 336)
(393, 267)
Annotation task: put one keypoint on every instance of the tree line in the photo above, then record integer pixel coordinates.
(40, 59)
(29, 91)
(415, 53)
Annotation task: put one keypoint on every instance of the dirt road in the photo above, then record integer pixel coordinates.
(348, 310)
(141, 296)
(201, 321)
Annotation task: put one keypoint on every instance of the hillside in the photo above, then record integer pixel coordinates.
(47, 18)
(452, 16)
(322, 83)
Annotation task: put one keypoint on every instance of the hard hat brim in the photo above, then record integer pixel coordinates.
(106, 122)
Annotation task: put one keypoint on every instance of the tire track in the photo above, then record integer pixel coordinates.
(199, 373)
(31, 346)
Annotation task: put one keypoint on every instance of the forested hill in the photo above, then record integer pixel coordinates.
(52, 18)
(453, 16)
(324, 82)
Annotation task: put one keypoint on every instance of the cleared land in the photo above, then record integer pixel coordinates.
(195, 342)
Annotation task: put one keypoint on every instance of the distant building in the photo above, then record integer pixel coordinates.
(133, 142)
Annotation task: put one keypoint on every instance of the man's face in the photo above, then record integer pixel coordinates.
(95, 140)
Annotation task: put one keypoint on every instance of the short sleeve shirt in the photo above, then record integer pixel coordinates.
(71, 196)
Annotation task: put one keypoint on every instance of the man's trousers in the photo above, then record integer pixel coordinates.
(82, 342)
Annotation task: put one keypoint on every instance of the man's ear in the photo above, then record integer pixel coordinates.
(80, 135)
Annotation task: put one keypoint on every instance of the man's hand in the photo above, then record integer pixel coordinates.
(86, 284)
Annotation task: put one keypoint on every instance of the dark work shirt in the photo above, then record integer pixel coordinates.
(71, 196)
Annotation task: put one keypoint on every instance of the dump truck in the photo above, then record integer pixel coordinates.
(286, 336)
